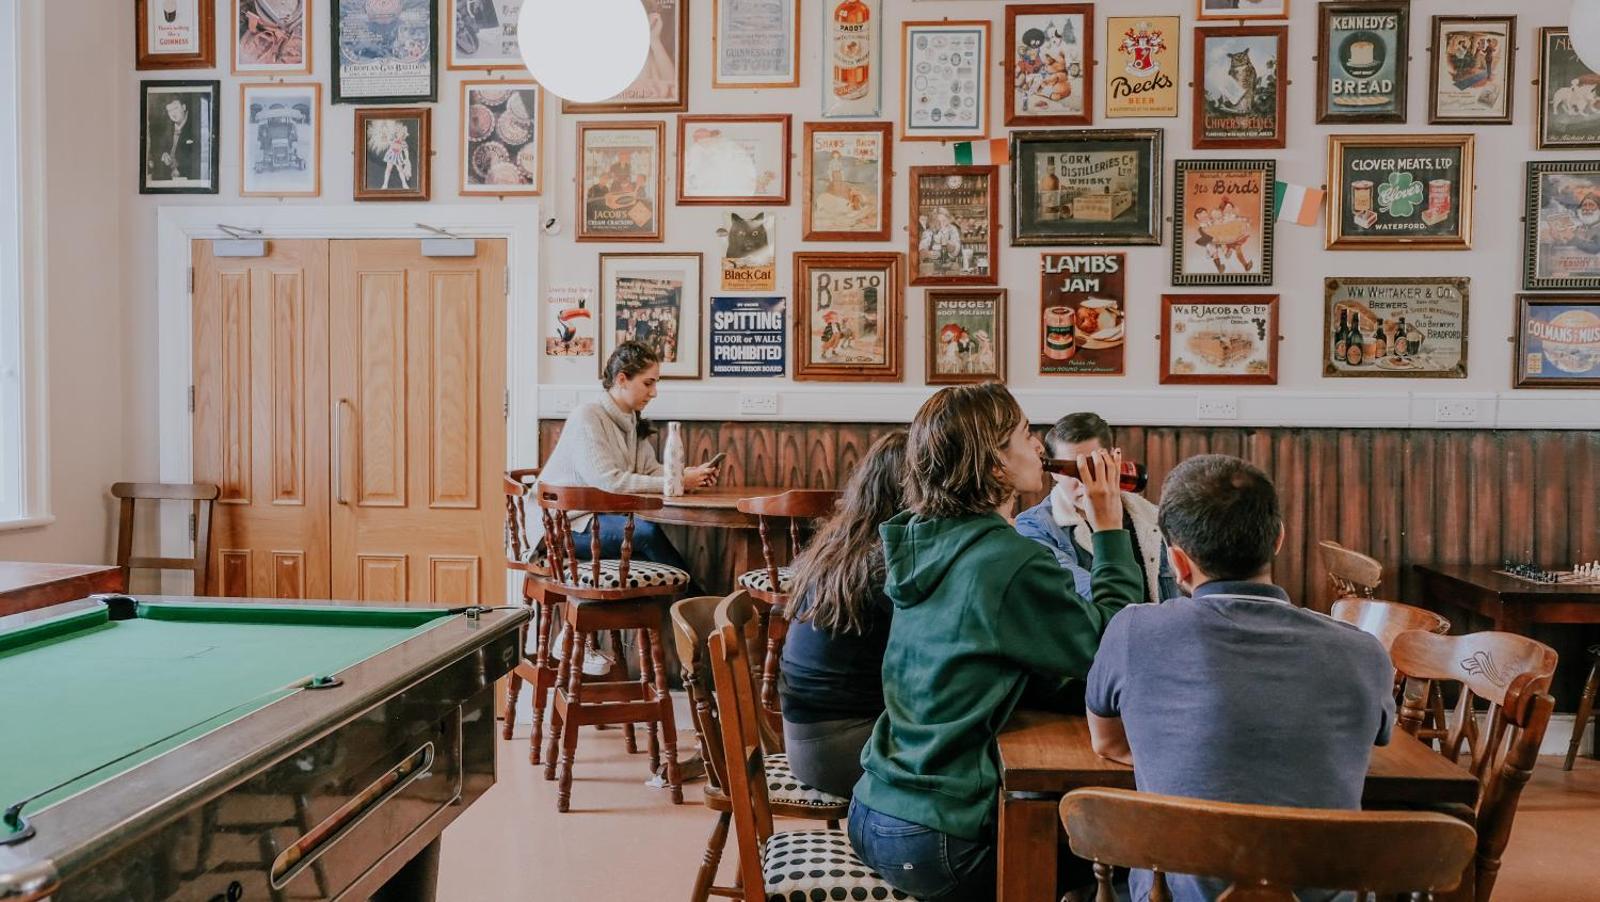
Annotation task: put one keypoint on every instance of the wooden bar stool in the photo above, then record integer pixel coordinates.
(539, 671)
(1586, 711)
(201, 495)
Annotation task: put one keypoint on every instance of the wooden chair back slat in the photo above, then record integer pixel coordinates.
(517, 484)
(1387, 619)
(693, 622)
(202, 497)
(558, 504)
(1350, 573)
(796, 505)
(746, 784)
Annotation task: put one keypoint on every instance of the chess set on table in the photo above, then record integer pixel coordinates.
(1580, 574)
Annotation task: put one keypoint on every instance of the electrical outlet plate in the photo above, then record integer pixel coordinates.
(1456, 410)
(758, 403)
(564, 402)
(1217, 407)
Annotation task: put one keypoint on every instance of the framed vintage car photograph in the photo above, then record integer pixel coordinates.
(1561, 226)
(1557, 341)
(1240, 96)
(1083, 302)
(846, 171)
(966, 330)
(1219, 339)
(394, 153)
(953, 213)
(1086, 186)
(847, 313)
(272, 37)
(179, 140)
(1395, 327)
(502, 138)
(1471, 70)
(655, 299)
(755, 43)
(663, 84)
(174, 34)
(482, 34)
(1049, 64)
(1567, 94)
(1222, 222)
(280, 140)
(733, 159)
(1362, 61)
(385, 52)
(1400, 192)
(620, 181)
(944, 80)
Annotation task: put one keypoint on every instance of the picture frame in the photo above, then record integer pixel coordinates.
(1049, 64)
(1209, 10)
(1557, 342)
(620, 181)
(394, 143)
(180, 126)
(1141, 66)
(734, 159)
(1561, 226)
(1472, 70)
(1083, 304)
(1219, 339)
(1363, 61)
(1239, 99)
(749, 337)
(966, 332)
(755, 44)
(953, 234)
(501, 141)
(1566, 115)
(847, 171)
(852, 60)
(944, 79)
(1223, 210)
(748, 250)
(847, 317)
(391, 57)
(656, 90)
(280, 140)
(174, 34)
(1406, 327)
(1116, 198)
(1424, 199)
(482, 35)
(271, 37)
(656, 298)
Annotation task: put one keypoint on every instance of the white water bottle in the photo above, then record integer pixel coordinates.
(672, 460)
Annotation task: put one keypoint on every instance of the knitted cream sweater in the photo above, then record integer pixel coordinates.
(599, 447)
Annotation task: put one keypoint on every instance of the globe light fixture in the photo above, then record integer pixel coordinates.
(585, 51)
(1584, 28)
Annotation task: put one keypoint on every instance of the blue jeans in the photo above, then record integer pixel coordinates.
(650, 543)
(921, 861)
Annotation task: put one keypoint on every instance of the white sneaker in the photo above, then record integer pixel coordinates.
(596, 663)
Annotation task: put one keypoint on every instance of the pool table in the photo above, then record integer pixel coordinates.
(241, 749)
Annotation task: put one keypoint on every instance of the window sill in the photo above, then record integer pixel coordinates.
(22, 523)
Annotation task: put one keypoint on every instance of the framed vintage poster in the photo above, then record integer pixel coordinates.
(731, 159)
(1223, 218)
(620, 181)
(1561, 226)
(1397, 192)
(749, 251)
(394, 153)
(755, 43)
(272, 37)
(1363, 52)
(502, 138)
(1567, 113)
(1082, 314)
(966, 331)
(280, 140)
(1242, 9)
(944, 80)
(483, 35)
(179, 142)
(847, 175)
(953, 214)
(654, 299)
(1219, 339)
(1471, 66)
(748, 337)
(1558, 341)
(1086, 186)
(174, 34)
(663, 84)
(572, 325)
(1141, 66)
(852, 59)
(1395, 327)
(1049, 67)
(1240, 100)
(384, 51)
(847, 317)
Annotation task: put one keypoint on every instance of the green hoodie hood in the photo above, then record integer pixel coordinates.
(919, 553)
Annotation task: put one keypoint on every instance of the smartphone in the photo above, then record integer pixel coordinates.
(716, 462)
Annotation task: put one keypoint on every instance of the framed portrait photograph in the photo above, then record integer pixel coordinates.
(1222, 214)
(1362, 61)
(1241, 9)
(394, 153)
(731, 159)
(1398, 192)
(953, 213)
(280, 140)
(1086, 186)
(620, 181)
(944, 80)
(966, 331)
(654, 299)
(502, 137)
(384, 51)
(179, 141)
(847, 317)
(755, 43)
(1567, 112)
(1561, 226)
(174, 34)
(1396, 327)
(1240, 100)
(847, 172)
(1471, 67)
(1049, 67)
(1557, 341)
(1082, 314)
(482, 34)
(272, 37)
(852, 59)
(1219, 339)
(663, 84)
(1141, 66)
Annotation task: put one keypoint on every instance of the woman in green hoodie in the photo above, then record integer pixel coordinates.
(979, 611)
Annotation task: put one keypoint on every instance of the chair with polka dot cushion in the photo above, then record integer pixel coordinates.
(773, 867)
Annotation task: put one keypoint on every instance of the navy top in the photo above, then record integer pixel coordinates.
(834, 676)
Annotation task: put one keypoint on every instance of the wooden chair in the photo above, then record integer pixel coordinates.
(1512, 674)
(1351, 574)
(201, 495)
(801, 864)
(538, 671)
(1263, 851)
(600, 595)
(693, 621)
(1585, 711)
(1386, 620)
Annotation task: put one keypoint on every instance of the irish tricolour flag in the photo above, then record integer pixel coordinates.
(992, 152)
(1297, 203)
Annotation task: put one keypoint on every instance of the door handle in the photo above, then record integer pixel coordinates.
(338, 450)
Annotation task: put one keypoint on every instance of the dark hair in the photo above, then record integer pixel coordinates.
(837, 575)
(953, 452)
(629, 359)
(1079, 427)
(1223, 513)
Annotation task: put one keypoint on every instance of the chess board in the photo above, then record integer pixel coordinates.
(1562, 578)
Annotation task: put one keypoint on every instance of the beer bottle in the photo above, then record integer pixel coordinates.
(1380, 342)
(1402, 339)
(1341, 336)
(1133, 477)
(1354, 345)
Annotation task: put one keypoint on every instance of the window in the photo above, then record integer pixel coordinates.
(14, 421)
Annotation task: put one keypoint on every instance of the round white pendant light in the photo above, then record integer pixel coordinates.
(1584, 29)
(585, 51)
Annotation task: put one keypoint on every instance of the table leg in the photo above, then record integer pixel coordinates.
(1026, 870)
(745, 544)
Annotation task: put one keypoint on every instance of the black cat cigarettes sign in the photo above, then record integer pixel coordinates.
(749, 256)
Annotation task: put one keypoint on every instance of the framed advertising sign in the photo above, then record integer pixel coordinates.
(1362, 61)
(1082, 314)
(1086, 186)
(1219, 339)
(966, 331)
(1222, 216)
(953, 213)
(175, 34)
(847, 317)
(846, 170)
(1397, 192)
(619, 181)
(1567, 113)
(655, 299)
(944, 87)
(852, 59)
(385, 52)
(1395, 327)
(1240, 100)
(1141, 66)
(663, 83)
(1558, 341)
(1471, 62)
(755, 43)
(1561, 226)
(1049, 66)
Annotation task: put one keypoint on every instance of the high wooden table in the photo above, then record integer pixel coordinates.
(27, 586)
(1513, 604)
(717, 507)
(1044, 756)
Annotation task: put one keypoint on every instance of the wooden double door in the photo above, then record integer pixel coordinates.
(349, 399)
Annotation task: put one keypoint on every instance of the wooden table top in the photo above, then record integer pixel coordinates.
(27, 586)
(1483, 576)
(716, 506)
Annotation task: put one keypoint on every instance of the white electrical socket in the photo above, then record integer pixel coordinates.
(564, 402)
(1456, 410)
(758, 403)
(1217, 407)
